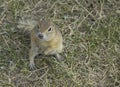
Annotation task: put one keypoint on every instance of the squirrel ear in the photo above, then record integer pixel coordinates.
(43, 18)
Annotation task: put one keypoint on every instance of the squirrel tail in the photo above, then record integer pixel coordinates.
(27, 24)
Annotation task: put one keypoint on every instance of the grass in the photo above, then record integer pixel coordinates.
(91, 32)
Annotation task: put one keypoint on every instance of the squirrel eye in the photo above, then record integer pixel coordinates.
(49, 29)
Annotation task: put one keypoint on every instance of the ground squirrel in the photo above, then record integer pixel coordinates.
(45, 39)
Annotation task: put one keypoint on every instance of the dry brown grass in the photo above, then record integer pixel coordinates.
(91, 31)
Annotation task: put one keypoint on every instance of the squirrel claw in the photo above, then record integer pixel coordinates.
(59, 57)
(32, 66)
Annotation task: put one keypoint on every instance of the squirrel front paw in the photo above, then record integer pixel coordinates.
(32, 66)
(59, 57)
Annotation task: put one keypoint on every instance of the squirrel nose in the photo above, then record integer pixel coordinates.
(40, 36)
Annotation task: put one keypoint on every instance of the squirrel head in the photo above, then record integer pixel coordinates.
(45, 30)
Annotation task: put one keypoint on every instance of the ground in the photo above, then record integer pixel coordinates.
(91, 33)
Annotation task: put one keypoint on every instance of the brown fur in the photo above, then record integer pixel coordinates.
(50, 45)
